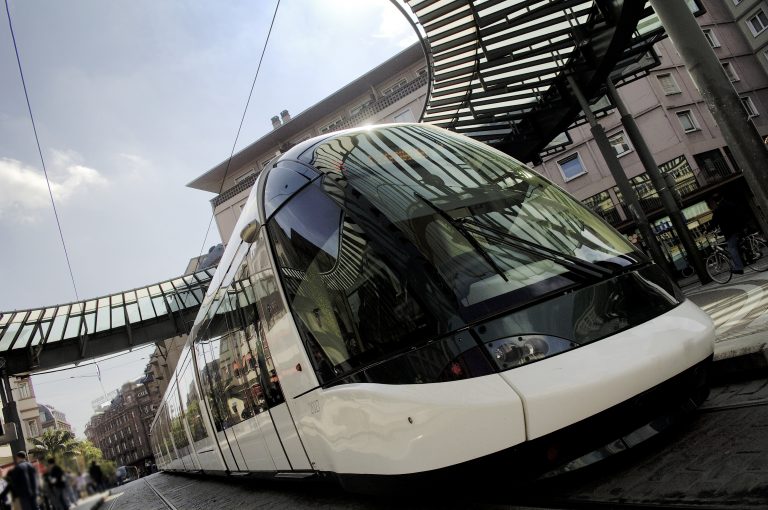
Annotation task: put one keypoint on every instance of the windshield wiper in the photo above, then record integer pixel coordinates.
(575, 264)
(465, 234)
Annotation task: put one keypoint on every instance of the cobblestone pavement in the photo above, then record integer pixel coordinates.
(718, 458)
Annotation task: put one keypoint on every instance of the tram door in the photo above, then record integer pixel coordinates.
(274, 326)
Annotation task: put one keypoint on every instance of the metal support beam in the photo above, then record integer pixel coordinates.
(668, 200)
(630, 198)
(720, 97)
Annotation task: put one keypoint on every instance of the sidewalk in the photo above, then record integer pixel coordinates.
(92, 502)
(739, 309)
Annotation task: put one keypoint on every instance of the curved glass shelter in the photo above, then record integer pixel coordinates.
(62, 334)
(499, 68)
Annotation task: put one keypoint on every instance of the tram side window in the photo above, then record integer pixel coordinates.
(165, 431)
(177, 422)
(211, 378)
(190, 401)
(271, 309)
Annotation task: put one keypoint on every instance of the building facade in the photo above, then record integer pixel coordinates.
(53, 419)
(682, 135)
(121, 430)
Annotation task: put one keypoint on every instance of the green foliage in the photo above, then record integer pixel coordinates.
(58, 444)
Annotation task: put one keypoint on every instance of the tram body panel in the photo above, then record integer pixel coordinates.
(387, 429)
(575, 385)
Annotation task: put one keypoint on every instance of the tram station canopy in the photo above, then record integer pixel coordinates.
(500, 67)
(498, 73)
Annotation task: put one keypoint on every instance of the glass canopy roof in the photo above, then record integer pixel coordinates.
(124, 311)
(499, 67)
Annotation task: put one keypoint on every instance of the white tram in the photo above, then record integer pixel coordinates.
(400, 303)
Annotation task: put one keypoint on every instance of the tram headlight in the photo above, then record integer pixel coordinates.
(520, 350)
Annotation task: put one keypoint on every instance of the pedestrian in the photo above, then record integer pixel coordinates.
(732, 219)
(97, 477)
(22, 482)
(57, 486)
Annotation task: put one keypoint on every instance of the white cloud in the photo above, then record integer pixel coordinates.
(394, 26)
(24, 192)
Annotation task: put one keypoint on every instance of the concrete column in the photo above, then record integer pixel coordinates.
(630, 198)
(723, 102)
(665, 193)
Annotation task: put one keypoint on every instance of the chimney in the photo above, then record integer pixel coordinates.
(285, 116)
(276, 122)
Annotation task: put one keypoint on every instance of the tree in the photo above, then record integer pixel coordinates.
(58, 444)
(89, 451)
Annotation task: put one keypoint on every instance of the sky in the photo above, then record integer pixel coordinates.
(132, 100)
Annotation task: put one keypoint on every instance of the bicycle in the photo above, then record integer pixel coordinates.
(754, 253)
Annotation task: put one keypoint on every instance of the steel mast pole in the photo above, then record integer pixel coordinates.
(609, 155)
(668, 200)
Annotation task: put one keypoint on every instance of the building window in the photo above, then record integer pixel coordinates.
(687, 121)
(749, 106)
(333, 126)
(421, 72)
(33, 430)
(571, 167)
(668, 84)
(711, 38)
(394, 88)
(620, 143)
(243, 177)
(362, 106)
(405, 116)
(24, 391)
(758, 23)
(730, 72)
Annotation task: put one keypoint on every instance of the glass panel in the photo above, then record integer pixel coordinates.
(23, 337)
(159, 304)
(130, 297)
(145, 305)
(154, 290)
(39, 333)
(190, 401)
(49, 313)
(90, 306)
(34, 315)
(89, 323)
(116, 300)
(406, 212)
(57, 330)
(103, 315)
(73, 327)
(118, 317)
(282, 182)
(133, 313)
(5, 318)
(178, 432)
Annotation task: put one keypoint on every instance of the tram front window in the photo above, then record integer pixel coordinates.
(413, 233)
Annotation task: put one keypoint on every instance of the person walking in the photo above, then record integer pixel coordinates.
(97, 477)
(732, 220)
(57, 486)
(22, 482)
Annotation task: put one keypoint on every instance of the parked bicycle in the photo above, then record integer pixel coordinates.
(754, 253)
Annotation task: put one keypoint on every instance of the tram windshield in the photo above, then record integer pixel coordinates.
(412, 232)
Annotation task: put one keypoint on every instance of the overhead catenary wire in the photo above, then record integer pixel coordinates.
(39, 151)
(242, 119)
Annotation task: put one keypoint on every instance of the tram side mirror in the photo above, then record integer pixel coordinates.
(250, 232)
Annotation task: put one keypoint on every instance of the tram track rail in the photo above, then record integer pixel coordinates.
(585, 504)
(162, 498)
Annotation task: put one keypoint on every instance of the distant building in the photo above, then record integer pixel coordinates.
(29, 415)
(121, 431)
(53, 419)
